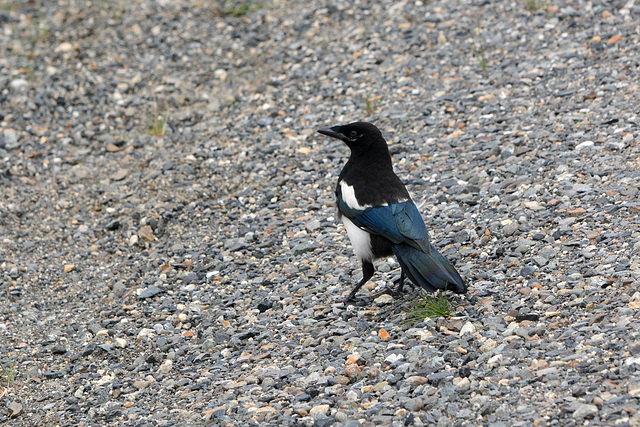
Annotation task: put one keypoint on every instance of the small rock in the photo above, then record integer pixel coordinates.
(507, 151)
(582, 188)
(414, 404)
(58, 349)
(341, 417)
(510, 229)
(467, 328)
(540, 261)
(289, 204)
(15, 409)
(531, 317)
(438, 377)
(112, 148)
(585, 411)
(313, 225)
(487, 345)
(146, 233)
(68, 268)
(120, 175)
(265, 305)
(576, 212)
(165, 367)
(319, 409)
(384, 299)
(341, 379)
(416, 380)
(141, 384)
(527, 271)
(10, 139)
(64, 47)
(149, 292)
(614, 145)
(352, 371)
(18, 84)
(586, 145)
(53, 375)
(235, 245)
(324, 421)
(302, 248)
(461, 236)
(381, 385)
(265, 412)
(112, 225)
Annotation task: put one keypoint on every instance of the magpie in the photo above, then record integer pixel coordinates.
(380, 217)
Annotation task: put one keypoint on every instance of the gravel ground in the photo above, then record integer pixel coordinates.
(196, 278)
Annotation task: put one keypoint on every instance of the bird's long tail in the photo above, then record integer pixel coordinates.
(430, 271)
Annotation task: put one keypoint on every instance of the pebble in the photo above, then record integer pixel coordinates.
(149, 292)
(64, 47)
(384, 299)
(319, 409)
(58, 349)
(18, 85)
(15, 409)
(510, 229)
(467, 328)
(146, 233)
(585, 411)
(586, 145)
(165, 367)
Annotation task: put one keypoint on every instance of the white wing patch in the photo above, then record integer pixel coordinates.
(360, 239)
(349, 197)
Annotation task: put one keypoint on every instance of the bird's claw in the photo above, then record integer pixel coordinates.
(352, 300)
(387, 291)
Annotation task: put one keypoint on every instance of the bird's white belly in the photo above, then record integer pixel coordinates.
(360, 239)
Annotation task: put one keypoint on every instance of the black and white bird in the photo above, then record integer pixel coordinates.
(380, 217)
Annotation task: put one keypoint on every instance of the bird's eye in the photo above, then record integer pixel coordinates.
(353, 134)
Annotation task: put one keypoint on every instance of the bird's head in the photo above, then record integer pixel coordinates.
(359, 136)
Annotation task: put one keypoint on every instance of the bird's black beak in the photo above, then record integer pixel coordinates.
(333, 132)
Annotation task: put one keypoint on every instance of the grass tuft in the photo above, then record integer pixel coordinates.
(238, 10)
(478, 53)
(9, 5)
(39, 32)
(371, 104)
(429, 306)
(534, 5)
(159, 118)
(158, 126)
(8, 374)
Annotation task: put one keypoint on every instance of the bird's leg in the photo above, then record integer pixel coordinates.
(367, 273)
(399, 282)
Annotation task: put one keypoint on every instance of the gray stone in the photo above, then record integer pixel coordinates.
(149, 292)
(18, 85)
(584, 410)
(510, 229)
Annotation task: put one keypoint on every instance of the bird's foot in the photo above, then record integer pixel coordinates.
(399, 282)
(387, 291)
(352, 300)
